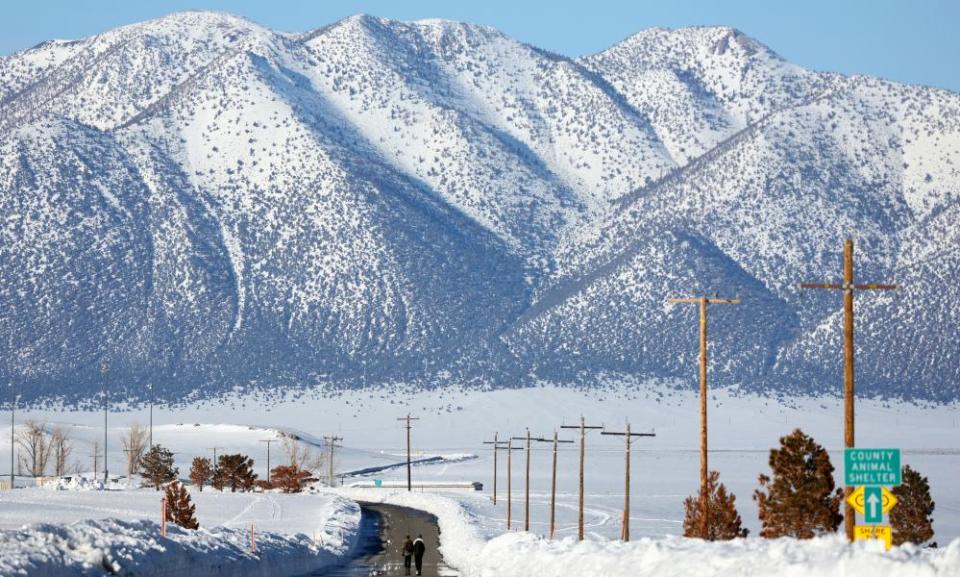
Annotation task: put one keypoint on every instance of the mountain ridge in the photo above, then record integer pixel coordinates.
(433, 202)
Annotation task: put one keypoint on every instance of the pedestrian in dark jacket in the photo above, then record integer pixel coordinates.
(407, 554)
(419, 548)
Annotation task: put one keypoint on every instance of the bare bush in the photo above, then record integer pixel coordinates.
(134, 444)
(34, 448)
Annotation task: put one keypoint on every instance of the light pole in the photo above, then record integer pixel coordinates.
(103, 393)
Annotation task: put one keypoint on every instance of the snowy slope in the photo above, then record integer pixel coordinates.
(204, 203)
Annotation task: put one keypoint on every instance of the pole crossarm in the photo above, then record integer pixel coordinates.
(708, 300)
(621, 434)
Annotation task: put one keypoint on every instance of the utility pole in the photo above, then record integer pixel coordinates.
(510, 450)
(103, 392)
(628, 435)
(849, 391)
(331, 442)
(214, 449)
(268, 442)
(553, 481)
(703, 302)
(13, 429)
(496, 446)
(408, 418)
(96, 456)
(583, 434)
(526, 490)
(150, 391)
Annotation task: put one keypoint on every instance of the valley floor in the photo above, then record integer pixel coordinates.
(475, 539)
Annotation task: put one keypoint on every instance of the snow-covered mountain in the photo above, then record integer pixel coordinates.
(206, 204)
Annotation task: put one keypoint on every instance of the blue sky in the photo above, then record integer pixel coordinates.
(909, 41)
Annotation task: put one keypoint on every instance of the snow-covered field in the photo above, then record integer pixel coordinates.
(453, 423)
(90, 532)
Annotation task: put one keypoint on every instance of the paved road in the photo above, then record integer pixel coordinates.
(382, 532)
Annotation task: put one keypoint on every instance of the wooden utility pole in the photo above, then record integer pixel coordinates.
(268, 442)
(703, 302)
(510, 450)
(583, 433)
(628, 435)
(331, 442)
(103, 392)
(496, 446)
(408, 426)
(526, 490)
(849, 391)
(553, 481)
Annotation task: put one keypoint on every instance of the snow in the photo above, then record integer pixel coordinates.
(475, 552)
(44, 531)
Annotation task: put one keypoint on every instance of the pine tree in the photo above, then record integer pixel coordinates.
(800, 501)
(180, 508)
(201, 472)
(724, 521)
(234, 471)
(912, 518)
(156, 467)
(290, 478)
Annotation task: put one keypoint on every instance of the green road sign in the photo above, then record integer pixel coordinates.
(871, 467)
(872, 505)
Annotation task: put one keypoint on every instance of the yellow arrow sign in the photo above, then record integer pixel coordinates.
(856, 500)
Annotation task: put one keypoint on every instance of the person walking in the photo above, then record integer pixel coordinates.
(419, 548)
(407, 554)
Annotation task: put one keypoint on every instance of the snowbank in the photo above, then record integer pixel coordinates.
(135, 547)
(466, 547)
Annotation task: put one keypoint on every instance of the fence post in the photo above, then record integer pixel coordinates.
(163, 517)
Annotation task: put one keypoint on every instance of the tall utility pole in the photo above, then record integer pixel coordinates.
(331, 441)
(268, 441)
(150, 392)
(526, 490)
(625, 527)
(496, 446)
(408, 418)
(13, 429)
(103, 392)
(510, 450)
(703, 302)
(849, 391)
(583, 434)
(553, 480)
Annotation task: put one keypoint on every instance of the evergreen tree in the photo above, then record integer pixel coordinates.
(156, 467)
(201, 472)
(723, 520)
(290, 478)
(800, 501)
(180, 508)
(912, 518)
(234, 471)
